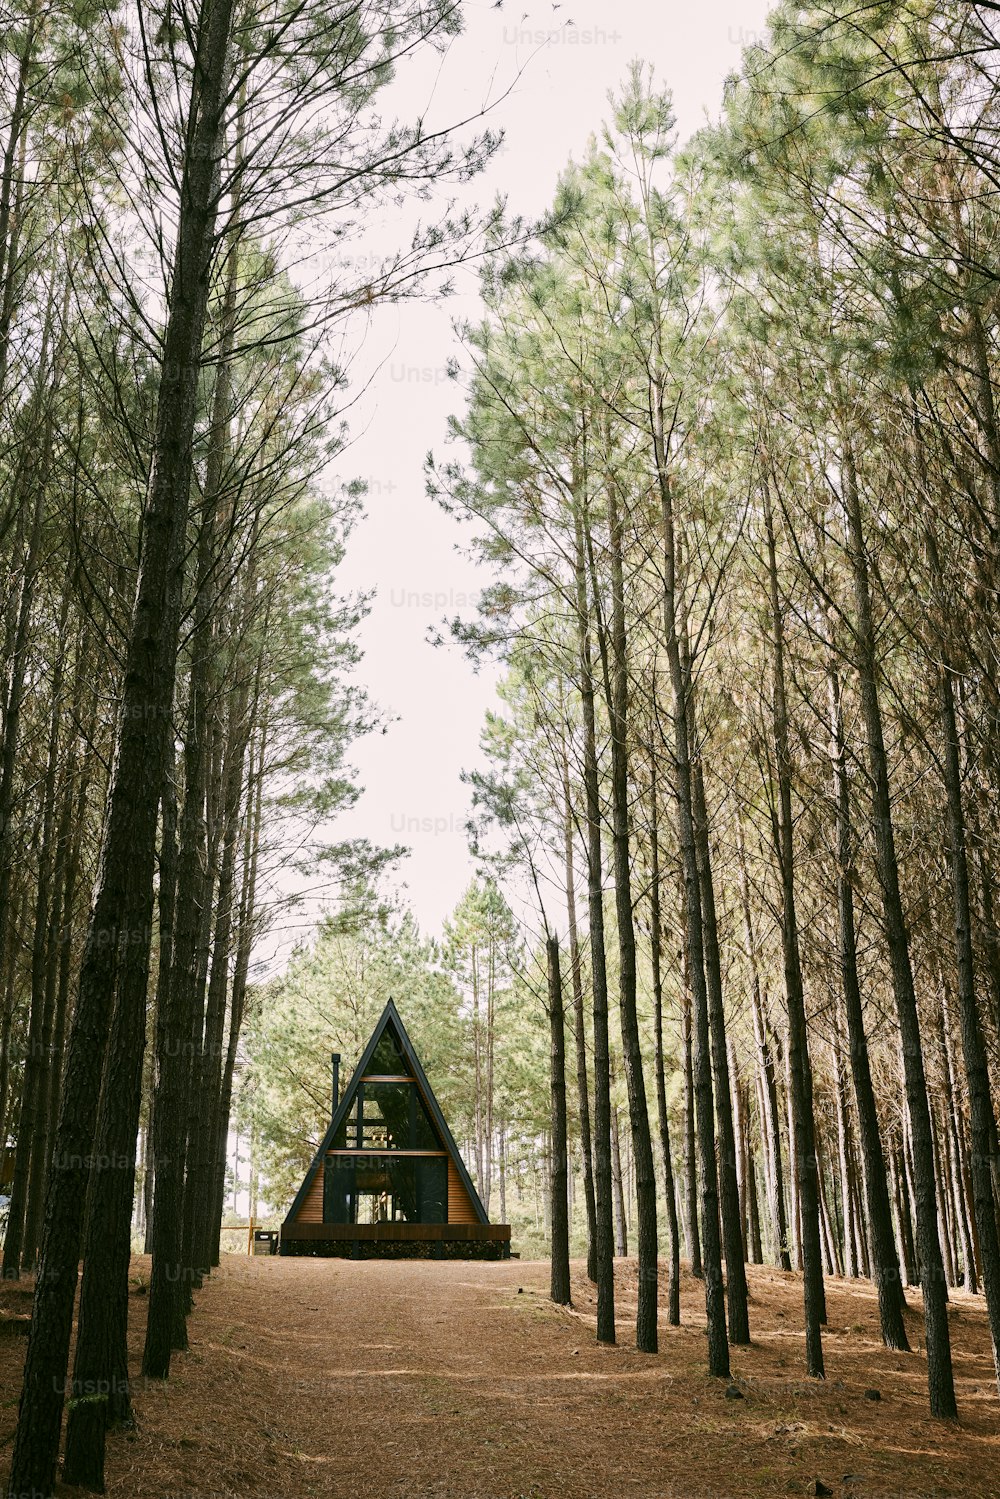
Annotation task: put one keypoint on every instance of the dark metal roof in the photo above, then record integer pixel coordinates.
(390, 1016)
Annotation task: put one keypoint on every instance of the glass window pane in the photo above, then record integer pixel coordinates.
(338, 1190)
(385, 1189)
(387, 1058)
(432, 1189)
(387, 1116)
(425, 1136)
(395, 1118)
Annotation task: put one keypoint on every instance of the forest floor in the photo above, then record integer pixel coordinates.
(460, 1380)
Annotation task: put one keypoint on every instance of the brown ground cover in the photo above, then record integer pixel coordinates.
(452, 1380)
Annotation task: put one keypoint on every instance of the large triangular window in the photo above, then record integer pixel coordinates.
(386, 1110)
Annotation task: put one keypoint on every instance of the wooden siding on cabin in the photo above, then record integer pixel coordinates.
(311, 1210)
(460, 1209)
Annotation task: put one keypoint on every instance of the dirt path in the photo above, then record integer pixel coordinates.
(431, 1380)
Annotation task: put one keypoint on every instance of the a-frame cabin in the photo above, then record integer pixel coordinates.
(388, 1179)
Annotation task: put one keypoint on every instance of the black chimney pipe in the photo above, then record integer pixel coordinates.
(335, 1061)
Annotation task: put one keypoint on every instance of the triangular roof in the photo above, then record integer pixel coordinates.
(389, 1018)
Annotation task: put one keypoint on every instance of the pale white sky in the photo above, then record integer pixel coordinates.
(407, 548)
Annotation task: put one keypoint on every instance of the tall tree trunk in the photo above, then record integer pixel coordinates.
(955, 1216)
(116, 956)
(244, 944)
(756, 1249)
(690, 1143)
(944, 1177)
(618, 1187)
(655, 941)
(740, 1134)
(9, 1001)
(940, 1379)
(28, 1165)
(828, 1225)
(904, 1222)
(598, 960)
(45, 950)
(28, 485)
(212, 1141)
(851, 1268)
(795, 1215)
(983, 1120)
(167, 1104)
(617, 690)
(729, 1189)
(11, 185)
(32, 1082)
(771, 1114)
(715, 1306)
(861, 1244)
(579, 1029)
(559, 1282)
(800, 1068)
(76, 836)
(885, 1260)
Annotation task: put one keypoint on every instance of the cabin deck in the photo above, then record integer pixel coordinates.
(488, 1241)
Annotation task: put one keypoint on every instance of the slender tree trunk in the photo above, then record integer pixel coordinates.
(6, 1022)
(616, 685)
(946, 1187)
(984, 1132)
(729, 1191)
(244, 943)
(740, 1138)
(559, 1284)
(690, 1145)
(598, 961)
(618, 1187)
(905, 1217)
(756, 1249)
(11, 183)
(579, 1029)
(45, 948)
(718, 1348)
(771, 1114)
(795, 1215)
(955, 1217)
(940, 1378)
(28, 486)
(168, 1105)
(861, 1248)
(212, 1155)
(180, 997)
(800, 1068)
(827, 1220)
(851, 1268)
(229, 740)
(885, 1260)
(655, 940)
(76, 836)
(32, 1082)
(222, 1120)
